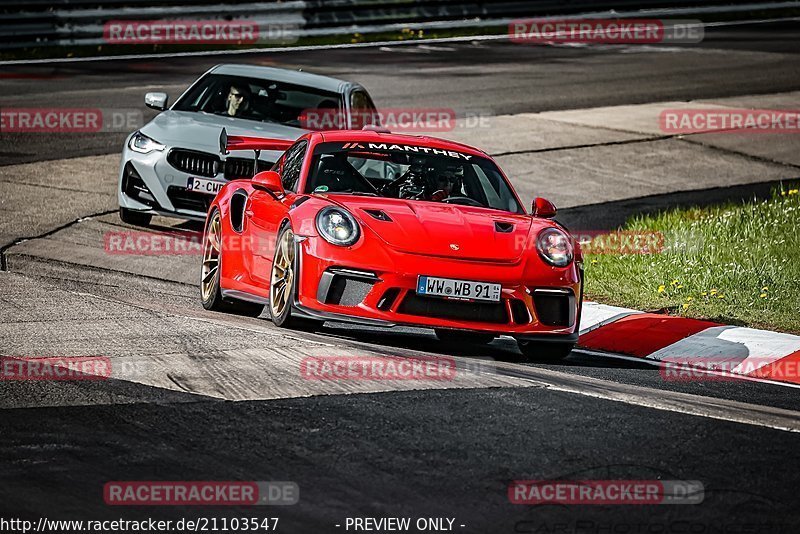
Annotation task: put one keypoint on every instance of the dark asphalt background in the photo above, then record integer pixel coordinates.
(425, 453)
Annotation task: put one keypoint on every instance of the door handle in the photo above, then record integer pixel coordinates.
(248, 213)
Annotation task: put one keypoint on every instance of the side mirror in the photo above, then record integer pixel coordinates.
(157, 101)
(543, 208)
(269, 181)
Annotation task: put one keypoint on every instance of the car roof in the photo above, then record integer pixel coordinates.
(395, 138)
(325, 83)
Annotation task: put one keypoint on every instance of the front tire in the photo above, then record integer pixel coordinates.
(543, 351)
(134, 218)
(283, 284)
(210, 291)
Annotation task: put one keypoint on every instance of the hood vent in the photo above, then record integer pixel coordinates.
(378, 214)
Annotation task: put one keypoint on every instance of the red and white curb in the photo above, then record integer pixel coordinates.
(654, 337)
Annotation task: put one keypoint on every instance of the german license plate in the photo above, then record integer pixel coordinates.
(457, 289)
(201, 185)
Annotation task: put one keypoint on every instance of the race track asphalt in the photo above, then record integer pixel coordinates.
(204, 396)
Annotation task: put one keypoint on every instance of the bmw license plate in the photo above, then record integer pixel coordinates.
(201, 185)
(457, 289)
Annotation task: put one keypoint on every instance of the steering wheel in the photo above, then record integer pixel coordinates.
(465, 201)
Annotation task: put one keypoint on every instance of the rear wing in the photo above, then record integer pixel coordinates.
(237, 142)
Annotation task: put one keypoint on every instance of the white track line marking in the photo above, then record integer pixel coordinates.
(750, 347)
(660, 399)
(656, 364)
(594, 315)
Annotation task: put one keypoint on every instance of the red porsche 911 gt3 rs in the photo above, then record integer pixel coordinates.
(387, 229)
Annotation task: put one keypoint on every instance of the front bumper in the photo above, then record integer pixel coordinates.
(148, 183)
(381, 291)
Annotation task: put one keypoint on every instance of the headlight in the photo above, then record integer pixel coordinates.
(143, 145)
(337, 226)
(554, 247)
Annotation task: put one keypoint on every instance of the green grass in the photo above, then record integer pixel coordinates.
(735, 264)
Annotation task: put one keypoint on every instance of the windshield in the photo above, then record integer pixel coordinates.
(410, 172)
(256, 99)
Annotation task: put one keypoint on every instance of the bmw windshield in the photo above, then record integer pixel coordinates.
(256, 99)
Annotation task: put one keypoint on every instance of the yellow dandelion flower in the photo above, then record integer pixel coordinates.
(689, 299)
(685, 305)
(720, 296)
(662, 288)
(679, 286)
(713, 292)
(594, 261)
(764, 288)
(783, 193)
(763, 295)
(675, 282)
(794, 191)
(703, 294)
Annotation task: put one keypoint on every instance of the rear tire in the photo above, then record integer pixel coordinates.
(134, 218)
(543, 351)
(210, 291)
(283, 284)
(459, 338)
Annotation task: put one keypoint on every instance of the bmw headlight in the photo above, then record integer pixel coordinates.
(144, 145)
(337, 226)
(554, 247)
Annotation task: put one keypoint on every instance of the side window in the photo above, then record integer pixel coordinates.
(362, 110)
(292, 163)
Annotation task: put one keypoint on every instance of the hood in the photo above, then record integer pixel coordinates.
(200, 131)
(444, 230)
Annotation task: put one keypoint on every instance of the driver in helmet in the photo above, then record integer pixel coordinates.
(428, 179)
(449, 180)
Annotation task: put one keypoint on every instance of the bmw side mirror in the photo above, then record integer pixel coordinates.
(269, 181)
(157, 101)
(543, 208)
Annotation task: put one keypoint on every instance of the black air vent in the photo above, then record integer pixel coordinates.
(554, 308)
(378, 214)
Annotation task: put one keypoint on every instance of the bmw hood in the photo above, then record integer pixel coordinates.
(444, 230)
(200, 131)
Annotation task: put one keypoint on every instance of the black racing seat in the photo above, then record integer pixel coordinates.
(336, 173)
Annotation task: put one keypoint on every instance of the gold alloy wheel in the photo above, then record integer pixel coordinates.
(211, 252)
(280, 287)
